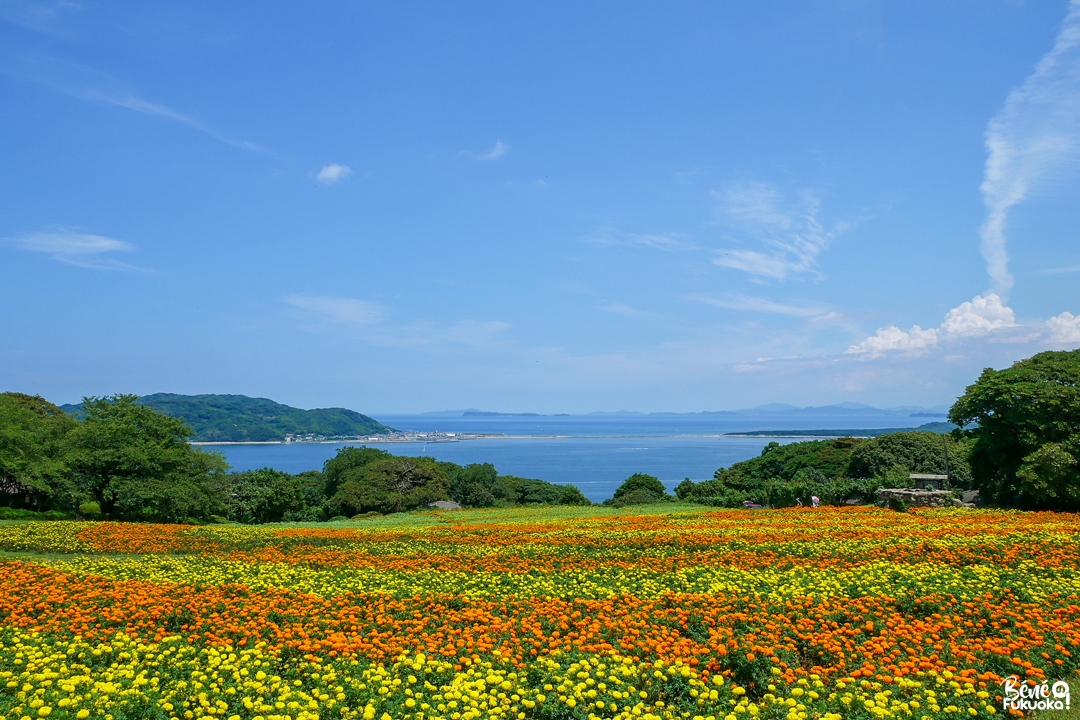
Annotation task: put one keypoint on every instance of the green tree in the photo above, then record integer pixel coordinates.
(919, 452)
(136, 463)
(313, 487)
(348, 460)
(392, 485)
(33, 473)
(685, 489)
(1027, 440)
(830, 458)
(474, 485)
(262, 496)
(638, 489)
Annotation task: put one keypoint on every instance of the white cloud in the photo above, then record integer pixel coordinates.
(893, 338)
(982, 316)
(1064, 329)
(333, 172)
(344, 310)
(496, 152)
(1037, 132)
(738, 301)
(74, 247)
(791, 231)
(978, 317)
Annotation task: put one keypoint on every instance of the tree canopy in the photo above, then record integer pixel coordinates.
(136, 462)
(835, 470)
(391, 485)
(1026, 445)
(639, 489)
(33, 472)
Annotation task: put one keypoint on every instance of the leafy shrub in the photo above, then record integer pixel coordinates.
(685, 489)
(898, 504)
(643, 486)
(637, 496)
(7, 513)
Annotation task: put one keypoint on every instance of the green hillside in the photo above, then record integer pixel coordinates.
(238, 418)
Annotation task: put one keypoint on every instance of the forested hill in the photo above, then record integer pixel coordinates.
(238, 418)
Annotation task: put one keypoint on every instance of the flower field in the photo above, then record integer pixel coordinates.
(542, 613)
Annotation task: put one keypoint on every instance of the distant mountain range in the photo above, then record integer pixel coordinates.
(238, 418)
(844, 408)
(940, 428)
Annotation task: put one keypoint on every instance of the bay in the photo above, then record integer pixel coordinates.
(594, 452)
(597, 465)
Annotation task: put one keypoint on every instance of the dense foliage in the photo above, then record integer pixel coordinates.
(126, 460)
(1026, 449)
(238, 418)
(33, 473)
(836, 471)
(391, 485)
(135, 462)
(265, 495)
(552, 614)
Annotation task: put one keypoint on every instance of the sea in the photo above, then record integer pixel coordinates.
(594, 452)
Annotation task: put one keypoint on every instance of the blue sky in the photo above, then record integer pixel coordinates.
(524, 206)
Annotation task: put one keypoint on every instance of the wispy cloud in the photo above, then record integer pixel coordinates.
(131, 102)
(40, 16)
(339, 309)
(660, 241)
(473, 333)
(1035, 134)
(75, 247)
(738, 301)
(626, 310)
(368, 320)
(1061, 270)
(91, 85)
(332, 173)
(789, 231)
(496, 152)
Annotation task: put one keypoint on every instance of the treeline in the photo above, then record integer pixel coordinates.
(835, 471)
(1020, 447)
(127, 461)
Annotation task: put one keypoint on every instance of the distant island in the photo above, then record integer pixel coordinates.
(837, 409)
(239, 418)
(935, 427)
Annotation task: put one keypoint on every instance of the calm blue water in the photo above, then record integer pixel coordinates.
(596, 465)
(598, 454)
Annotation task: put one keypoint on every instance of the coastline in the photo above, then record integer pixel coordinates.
(367, 441)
